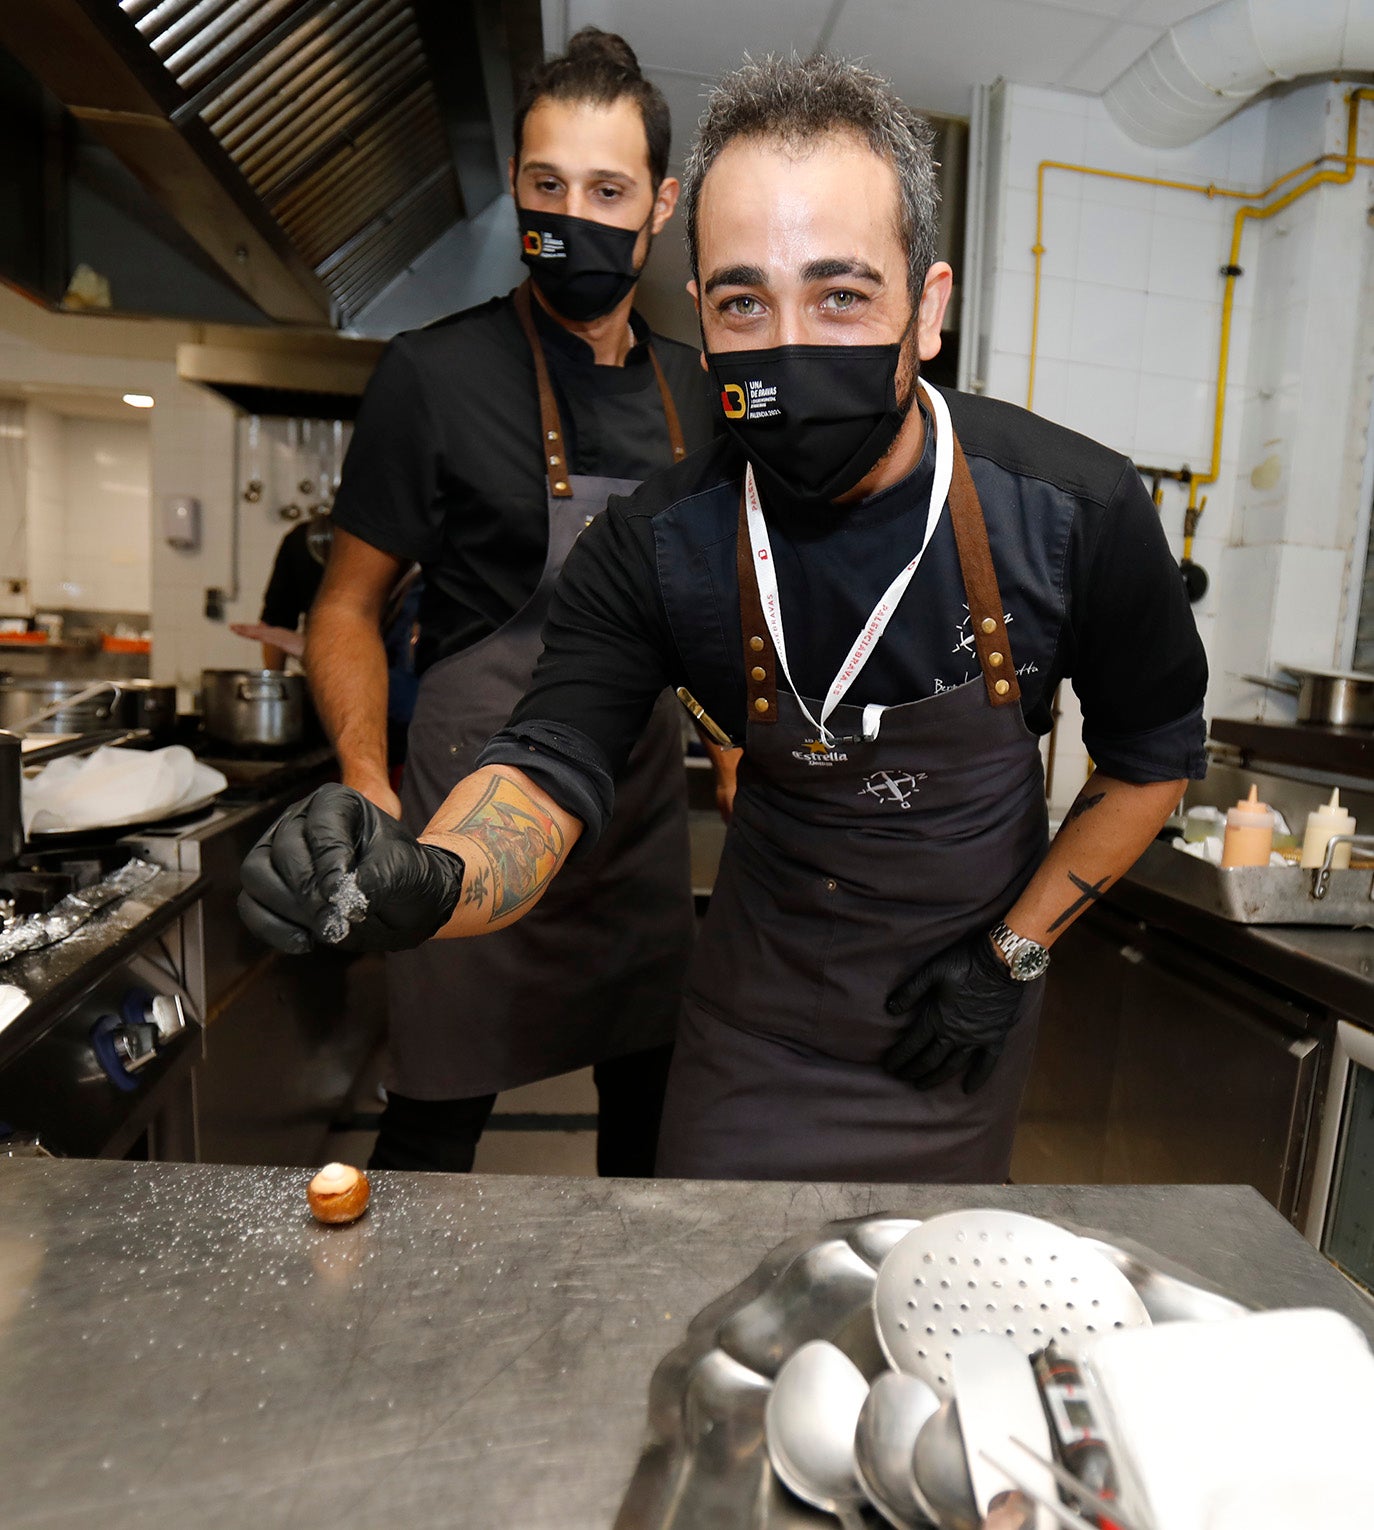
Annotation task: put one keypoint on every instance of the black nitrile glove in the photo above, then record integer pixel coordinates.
(965, 1002)
(294, 890)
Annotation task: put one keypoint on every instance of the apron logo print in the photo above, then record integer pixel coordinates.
(964, 642)
(892, 786)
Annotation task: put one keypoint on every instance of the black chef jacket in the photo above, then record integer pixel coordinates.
(445, 466)
(295, 580)
(650, 597)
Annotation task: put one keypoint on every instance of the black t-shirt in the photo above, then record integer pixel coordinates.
(295, 580)
(445, 467)
(650, 597)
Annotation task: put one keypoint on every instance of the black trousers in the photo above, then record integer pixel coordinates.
(442, 1135)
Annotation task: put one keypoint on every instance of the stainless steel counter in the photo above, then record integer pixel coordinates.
(181, 1345)
(1333, 968)
(54, 976)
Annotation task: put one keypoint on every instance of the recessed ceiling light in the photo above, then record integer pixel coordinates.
(139, 400)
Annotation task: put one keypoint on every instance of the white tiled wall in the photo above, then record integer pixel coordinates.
(194, 455)
(1130, 314)
(45, 506)
(104, 552)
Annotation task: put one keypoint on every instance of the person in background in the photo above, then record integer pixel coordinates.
(297, 572)
(485, 445)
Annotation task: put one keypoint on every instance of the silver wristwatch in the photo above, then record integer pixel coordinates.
(1024, 958)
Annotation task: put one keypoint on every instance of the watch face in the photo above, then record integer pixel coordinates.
(1030, 962)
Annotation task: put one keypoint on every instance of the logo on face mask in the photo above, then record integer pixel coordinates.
(545, 246)
(755, 401)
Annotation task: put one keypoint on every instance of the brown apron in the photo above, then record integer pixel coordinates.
(845, 870)
(596, 969)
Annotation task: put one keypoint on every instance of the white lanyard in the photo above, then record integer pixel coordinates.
(876, 625)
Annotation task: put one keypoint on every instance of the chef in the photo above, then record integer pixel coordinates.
(485, 445)
(874, 585)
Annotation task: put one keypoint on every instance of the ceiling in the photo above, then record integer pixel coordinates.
(934, 51)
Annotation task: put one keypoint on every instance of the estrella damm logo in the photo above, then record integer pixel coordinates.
(534, 243)
(733, 401)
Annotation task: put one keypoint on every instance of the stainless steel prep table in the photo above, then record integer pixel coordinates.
(182, 1345)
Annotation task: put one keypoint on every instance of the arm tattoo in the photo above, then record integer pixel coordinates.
(478, 888)
(1083, 805)
(1092, 892)
(522, 844)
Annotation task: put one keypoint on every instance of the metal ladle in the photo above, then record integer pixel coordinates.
(890, 1420)
(809, 1423)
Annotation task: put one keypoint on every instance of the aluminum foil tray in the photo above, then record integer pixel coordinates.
(705, 1463)
(1256, 894)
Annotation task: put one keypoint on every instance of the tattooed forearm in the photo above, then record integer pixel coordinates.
(522, 843)
(1091, 893)
(1083, 805)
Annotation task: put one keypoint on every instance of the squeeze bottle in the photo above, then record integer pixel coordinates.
(1249, 833)
(1322, 823)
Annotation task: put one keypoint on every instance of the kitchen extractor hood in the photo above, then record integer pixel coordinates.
(311, 148)
(300, 373)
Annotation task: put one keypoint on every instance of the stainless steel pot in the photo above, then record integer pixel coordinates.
(88, 706)
(59, 706)
(150, 705)
(260, 708)
(1330, 698)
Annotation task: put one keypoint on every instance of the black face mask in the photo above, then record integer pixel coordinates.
(813, 419)
(581, 267)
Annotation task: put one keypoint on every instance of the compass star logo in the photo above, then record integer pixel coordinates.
(892, 788)
(964, 642)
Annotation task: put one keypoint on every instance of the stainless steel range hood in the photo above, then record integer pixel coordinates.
(312, 148)
(300, 373)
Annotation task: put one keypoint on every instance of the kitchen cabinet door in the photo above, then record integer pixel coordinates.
(1214, 1078)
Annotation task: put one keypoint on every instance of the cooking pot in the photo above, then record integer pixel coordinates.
(149, 705)
(59, 706)
(260, 708)
(88, 706)
(1330, 698)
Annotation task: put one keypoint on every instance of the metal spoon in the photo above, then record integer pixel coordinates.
(809, 1423)
(939, 1469)
(885, 1441)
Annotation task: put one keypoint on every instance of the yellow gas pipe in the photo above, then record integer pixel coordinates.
(1256, 212)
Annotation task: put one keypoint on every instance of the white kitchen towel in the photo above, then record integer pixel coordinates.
(115, 786)
(1259, 1422)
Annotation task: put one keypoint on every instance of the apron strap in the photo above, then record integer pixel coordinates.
(986, 612)
(760, 657)
(555, 453)
(555, 449)
(980, 586)
(675, 440)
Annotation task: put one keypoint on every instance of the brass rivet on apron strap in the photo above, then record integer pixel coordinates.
(553, 435)
(995, 659)
(988, 625)
(1002, 687)
(758, 672)
(560, 485)
(554, 461)
(756, 643)
(760, 705)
